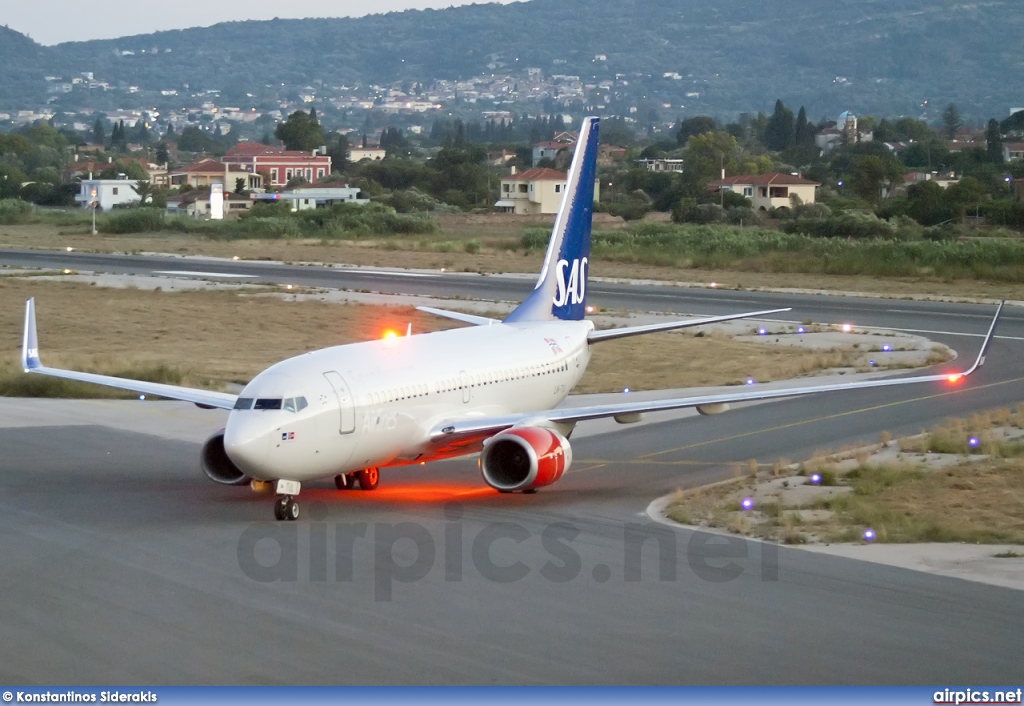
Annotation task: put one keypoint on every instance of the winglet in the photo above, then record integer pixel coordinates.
(29, 343)
(988, 340)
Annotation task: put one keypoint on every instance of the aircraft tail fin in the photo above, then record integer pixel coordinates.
(561, 289)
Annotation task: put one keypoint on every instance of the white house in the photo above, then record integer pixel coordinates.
(107, 193)
(537, 190)
(314, 195)
(767, 191)
(358, 154)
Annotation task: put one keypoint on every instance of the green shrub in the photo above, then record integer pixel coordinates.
(136, 220)
(14, 212)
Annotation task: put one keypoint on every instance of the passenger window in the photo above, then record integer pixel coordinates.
(243, 403)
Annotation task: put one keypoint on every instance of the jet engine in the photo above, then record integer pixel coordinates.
(525, 458)
(216, 464)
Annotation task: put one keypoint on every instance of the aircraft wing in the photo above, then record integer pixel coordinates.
(30, 363)
(476, 427)
(612, 333)
(459, 316)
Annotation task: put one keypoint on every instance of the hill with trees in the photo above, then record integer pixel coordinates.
(871, 56)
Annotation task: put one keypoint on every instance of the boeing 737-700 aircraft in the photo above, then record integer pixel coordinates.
(492, 388)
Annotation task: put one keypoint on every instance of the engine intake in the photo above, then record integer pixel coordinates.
(524, 458)
(216, 464)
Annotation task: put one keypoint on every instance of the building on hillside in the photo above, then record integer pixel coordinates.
(209, 171)
(661, 165)
(1013, 151)
(768, 191)
(107, 193)
(278, 166)
(197, 204)
(535, 191)
(550, 150)
(608, 154)
(310, 196)
(943, 180)
(89, 169)
(500, 158)
(358, 154)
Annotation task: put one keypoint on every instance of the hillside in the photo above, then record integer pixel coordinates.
(868, 55)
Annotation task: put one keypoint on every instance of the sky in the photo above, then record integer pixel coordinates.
(56, 21)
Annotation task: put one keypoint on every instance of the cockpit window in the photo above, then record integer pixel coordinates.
(268, 403)
(300, 404)
(243, 403)
(288, 405)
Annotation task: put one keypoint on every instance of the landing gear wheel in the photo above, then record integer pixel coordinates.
(291, 509)
(280, 505)
(369, 478)
(285, 508)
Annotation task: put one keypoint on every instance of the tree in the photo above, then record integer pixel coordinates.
(871, 173)
(705, 157)
(951, 121)
(99, 132)
(300, 132)
(163, 155)
(994, 141)
(195, 140)
(337, 148)
(804, 129)
(693, 126)
(780, 133)
(145, 191)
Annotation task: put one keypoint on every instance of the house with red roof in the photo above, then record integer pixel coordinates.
(768, 191)
(211, 171)
(535, 191)
(278, 166)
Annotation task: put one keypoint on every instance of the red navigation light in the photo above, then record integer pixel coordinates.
(954, 378)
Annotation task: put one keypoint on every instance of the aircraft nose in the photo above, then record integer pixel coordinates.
(247, 445)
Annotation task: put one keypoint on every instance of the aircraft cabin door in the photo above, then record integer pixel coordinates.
(347, 422)
(466, 390)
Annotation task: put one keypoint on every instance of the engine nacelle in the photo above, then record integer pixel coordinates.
(216, 464)
(523, 458)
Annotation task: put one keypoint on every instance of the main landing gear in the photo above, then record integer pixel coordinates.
(368, 479)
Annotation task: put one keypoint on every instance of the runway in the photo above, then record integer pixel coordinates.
(123, 564)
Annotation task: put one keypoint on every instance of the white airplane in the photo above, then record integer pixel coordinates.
(493, 388)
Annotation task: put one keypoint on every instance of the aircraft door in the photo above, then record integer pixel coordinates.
(466, 390)
(347, 422)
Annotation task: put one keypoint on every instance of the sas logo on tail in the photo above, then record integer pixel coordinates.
(573, 290)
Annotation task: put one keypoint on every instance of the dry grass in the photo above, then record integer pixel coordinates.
(981, 500)
(674, 360)
(229, 337)
(497, 236)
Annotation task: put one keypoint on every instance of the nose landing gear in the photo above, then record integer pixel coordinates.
(285, 507)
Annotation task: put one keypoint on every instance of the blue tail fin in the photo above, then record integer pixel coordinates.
(561, 290)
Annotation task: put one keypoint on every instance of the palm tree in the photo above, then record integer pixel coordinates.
(145, 191)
